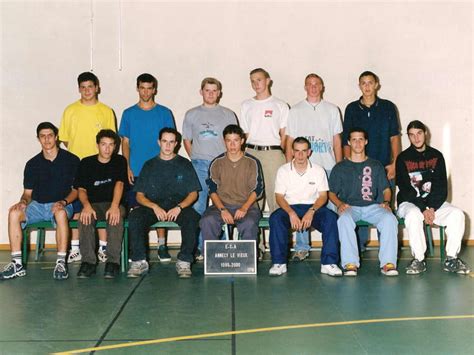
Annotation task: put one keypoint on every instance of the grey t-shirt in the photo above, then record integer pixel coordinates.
(359, 184)
(204, 126)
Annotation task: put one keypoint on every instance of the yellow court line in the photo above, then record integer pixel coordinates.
(262, 330)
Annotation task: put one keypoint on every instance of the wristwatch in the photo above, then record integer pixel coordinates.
(222, 209)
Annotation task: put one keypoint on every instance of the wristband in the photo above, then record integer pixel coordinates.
(222, 209)
(65, 201)
(387, 202)
(312, 209)
(179, 206)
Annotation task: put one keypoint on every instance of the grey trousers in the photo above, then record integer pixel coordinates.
(87, 238)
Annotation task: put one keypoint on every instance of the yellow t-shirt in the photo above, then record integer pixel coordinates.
(80, 124)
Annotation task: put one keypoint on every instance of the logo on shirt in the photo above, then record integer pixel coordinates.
(208, 131)
(102, 182)
(268, 113)
(312, 183)
(366, 184)
(179, 178)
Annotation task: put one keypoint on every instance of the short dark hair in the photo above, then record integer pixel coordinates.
(233, 129)
(369, 73)
(172, 131)
(46, 125)
(301, 140)
(416, 124)
(359, 130)
(147, 78)
(260, 70)
(107, 133)
(87, 76)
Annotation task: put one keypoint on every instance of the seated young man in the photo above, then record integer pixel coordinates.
(100, 181)
(235, 183)
(360, 190)
(47, 196)
(423, 189)
(166, 189)
(301, 192)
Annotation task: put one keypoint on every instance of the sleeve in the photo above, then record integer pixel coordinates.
(122, 169)
(406, 192)
(142, 183)
(323, 181)
(382, 181)
(291, 124)
(394, 122)
(213, 177)
(187, 127)
(243, 117)
(63, 133)
(285, 110)
(110, 120)
(280, 181)
(29, 176)
(439, 188)
(347, 125)
(337, 122)
(259, 185)
(334, 180)
(169, 119)
(124, 130)
(193, 183)
(81, 176)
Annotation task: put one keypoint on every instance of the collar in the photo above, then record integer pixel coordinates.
(363, 107)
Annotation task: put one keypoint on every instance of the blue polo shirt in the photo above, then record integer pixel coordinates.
(142, 128)
(50, 181)
(381, 123)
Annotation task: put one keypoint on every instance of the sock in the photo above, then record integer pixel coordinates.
(16, 257)
(102, 244)
(61, 257)
(74, 244)
(161, 241)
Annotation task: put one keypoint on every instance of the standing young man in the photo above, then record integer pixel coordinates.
(166, 190)
(202, 135)
(139, 129)
(319, 121)
(235, 184)
(47, 196)
(100, 181)
(360, 190)
(81, 122)
(301, 192)
(379, 118)
(423, 189)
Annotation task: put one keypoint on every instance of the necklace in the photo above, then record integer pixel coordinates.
(314, 105)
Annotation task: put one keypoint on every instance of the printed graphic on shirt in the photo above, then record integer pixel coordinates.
(102, 182)
(421, 175)
(319, 146)
(208, 131)
(366, 190)
(268, 113)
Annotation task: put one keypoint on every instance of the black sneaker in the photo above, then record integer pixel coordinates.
(111, 270)
(12, 270)
(456, 265)
(86, 270)
(60, 271)
(416, 267)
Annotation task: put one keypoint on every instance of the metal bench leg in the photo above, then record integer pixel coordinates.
(24, 255)
(39, 243)
(429, 235)
(124, 254)
(441, 243)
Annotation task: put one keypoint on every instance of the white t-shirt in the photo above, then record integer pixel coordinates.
(263, 119)
(301, 189)
(319, 125)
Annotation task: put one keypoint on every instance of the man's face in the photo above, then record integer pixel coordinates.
(167, 144)
(314, 88)
(233, 143)
(146, 91)
(301, 152)
(357, 142)
(106, 147)
(259, 82)
(47, 139)
(417, 138)
(210, 94)
(368, 85)
(88, 90)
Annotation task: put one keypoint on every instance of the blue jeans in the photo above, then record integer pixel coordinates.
(201, 167)
(39, 212)
(324, 220)
(386, 224)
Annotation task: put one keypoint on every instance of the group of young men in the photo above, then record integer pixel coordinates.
(310, 176)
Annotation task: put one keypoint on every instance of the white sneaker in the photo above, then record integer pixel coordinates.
(137, 269)
(74, 256)
(331, 270)
(277, 270)
(102, 255)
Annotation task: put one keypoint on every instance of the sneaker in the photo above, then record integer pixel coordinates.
(137, 268)
(198, 256)
(277, 270)
(86, 270)
(60, 271)
(163, 255)
(111, 270)
(331, 270)
(74, 256)
(389, 270)
(456, 265)
(350, 270)
(101, 255)
(12, 270)
(300, 255)
(416, 267)
(183, 268)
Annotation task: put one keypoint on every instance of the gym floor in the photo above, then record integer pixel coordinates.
(302, 312)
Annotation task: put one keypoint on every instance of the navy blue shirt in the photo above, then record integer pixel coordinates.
(50, 181)
(167, 182)
(381, 123)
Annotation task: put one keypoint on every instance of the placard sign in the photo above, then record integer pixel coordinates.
(224, 257)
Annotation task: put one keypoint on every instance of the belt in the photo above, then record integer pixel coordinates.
(263, 147)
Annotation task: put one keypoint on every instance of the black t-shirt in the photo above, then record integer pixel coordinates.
(167, 182)
(99, 178)
(50, 181)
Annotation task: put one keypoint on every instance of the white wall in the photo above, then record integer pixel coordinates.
(422, 52)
